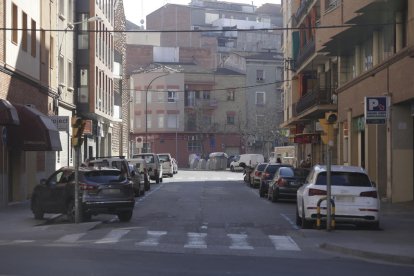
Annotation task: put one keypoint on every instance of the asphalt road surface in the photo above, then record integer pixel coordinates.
(195, 223)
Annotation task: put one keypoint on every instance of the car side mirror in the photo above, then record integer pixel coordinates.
(374, 183)
(132, 173)
(42, 181)
(243, 165)
(52, 183)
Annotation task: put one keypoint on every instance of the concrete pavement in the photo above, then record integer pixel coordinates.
(393, 243)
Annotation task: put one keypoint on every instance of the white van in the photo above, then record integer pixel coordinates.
(248, 159)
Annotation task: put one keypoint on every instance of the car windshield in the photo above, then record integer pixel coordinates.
(104, 176)
(345, 179)
(287, 172)
(261, 167)
(164, 157)
(271, 168)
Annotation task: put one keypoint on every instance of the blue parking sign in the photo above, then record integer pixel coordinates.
(376, 110)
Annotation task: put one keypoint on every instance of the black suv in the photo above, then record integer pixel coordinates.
(101, 191)
(120, 163)
(267, 176)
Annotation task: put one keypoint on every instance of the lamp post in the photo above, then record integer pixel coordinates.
(146, 108)
(77, 148)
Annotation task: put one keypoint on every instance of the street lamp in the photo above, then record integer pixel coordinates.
(146, 108)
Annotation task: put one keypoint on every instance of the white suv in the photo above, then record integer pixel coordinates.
(167, 165)
(355, 196)
(153, 165)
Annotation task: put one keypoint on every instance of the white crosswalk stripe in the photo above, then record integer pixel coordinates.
(196, 240)
(72, 238)
(284, 243)
(239, 241)
(114, 236)
(153, 238)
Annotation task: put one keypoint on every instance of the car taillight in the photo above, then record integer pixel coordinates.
(316, 192)
(266, 175)
(369, 194)
(281, 182)
(87, 187)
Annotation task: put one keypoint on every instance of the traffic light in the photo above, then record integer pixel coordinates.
(327, 125)
(78, 125)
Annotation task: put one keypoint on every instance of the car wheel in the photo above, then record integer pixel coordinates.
(86, 217)
(157, 179)
(261, 192)
(298, 219)
(269, 193)
(37, 209)
(70, 211)
(160, 179)
(147, 185)
(232, 168)
(125, 216)
(275, 195)
(305, 223)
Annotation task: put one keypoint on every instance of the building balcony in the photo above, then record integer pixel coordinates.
(305, 53)
(302, 11)
(319, 96)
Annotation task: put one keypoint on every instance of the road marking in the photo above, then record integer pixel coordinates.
(284, 243)
(239, 241)
(113, 236)
(196, 240)
(293, 224)
(72, 238)
(153, 238)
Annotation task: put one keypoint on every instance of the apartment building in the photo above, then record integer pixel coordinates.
(28, 94)
(367, 55)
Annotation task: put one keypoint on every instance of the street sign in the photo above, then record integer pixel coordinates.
(376, 110)
(61, 122)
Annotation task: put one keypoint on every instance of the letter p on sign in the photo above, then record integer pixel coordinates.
(372, 104)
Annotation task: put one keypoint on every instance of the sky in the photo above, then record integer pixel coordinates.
(135, 10)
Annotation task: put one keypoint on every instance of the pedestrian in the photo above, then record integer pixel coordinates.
(278, 160)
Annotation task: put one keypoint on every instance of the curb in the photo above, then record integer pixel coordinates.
(375, 256)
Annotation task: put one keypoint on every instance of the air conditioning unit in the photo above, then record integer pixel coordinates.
(139, 142)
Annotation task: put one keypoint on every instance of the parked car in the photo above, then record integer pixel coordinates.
(101, 191)
(137, 179)
(355, 196)
(175, 165)
(267, 176)
(231, 158)
(153, 164)
(120, 163)
(246, 160)
(140, 166)
(257, 174)
(286, 182)
(166, 162)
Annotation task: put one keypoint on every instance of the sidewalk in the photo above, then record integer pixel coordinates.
(393, 243)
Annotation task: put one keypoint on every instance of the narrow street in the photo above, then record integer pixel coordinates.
(195, 223)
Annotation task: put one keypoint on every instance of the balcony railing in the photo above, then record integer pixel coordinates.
(304, 53)
(319, 96)
(302, 10)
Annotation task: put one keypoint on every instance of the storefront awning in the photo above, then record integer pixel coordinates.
(36, 131)
(8, 114)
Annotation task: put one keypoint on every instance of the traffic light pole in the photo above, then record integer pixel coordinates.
(328, 186)
(77, 203)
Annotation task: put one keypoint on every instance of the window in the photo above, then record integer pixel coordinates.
(137, 121)
(14, 23)
(172, 96)
(24, 31)
(138, 97)
(62, 7)
(259, 75)
(194, 146)
(160, 120)
(206, 120)
(191, 96)
(43, 50)
(149, 119)
(172, 121)
(230, 119)
(206, 95)
(61, 70)
(260, 98)
(230, 94)
(52, 52)
(70, 75)
(33, 39)
(160, 97)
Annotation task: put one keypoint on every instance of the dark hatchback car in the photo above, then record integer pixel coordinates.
(101, 191)
(286, 182)
(267, 175)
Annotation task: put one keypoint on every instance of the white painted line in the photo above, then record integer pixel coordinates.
(239, 241)
(22, 241)
(153, 238)
(293, 224)
(70, 238)
(284, 243)
(196, 240)
(113, 236)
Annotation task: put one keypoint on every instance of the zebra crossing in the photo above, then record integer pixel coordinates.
(139, 238)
